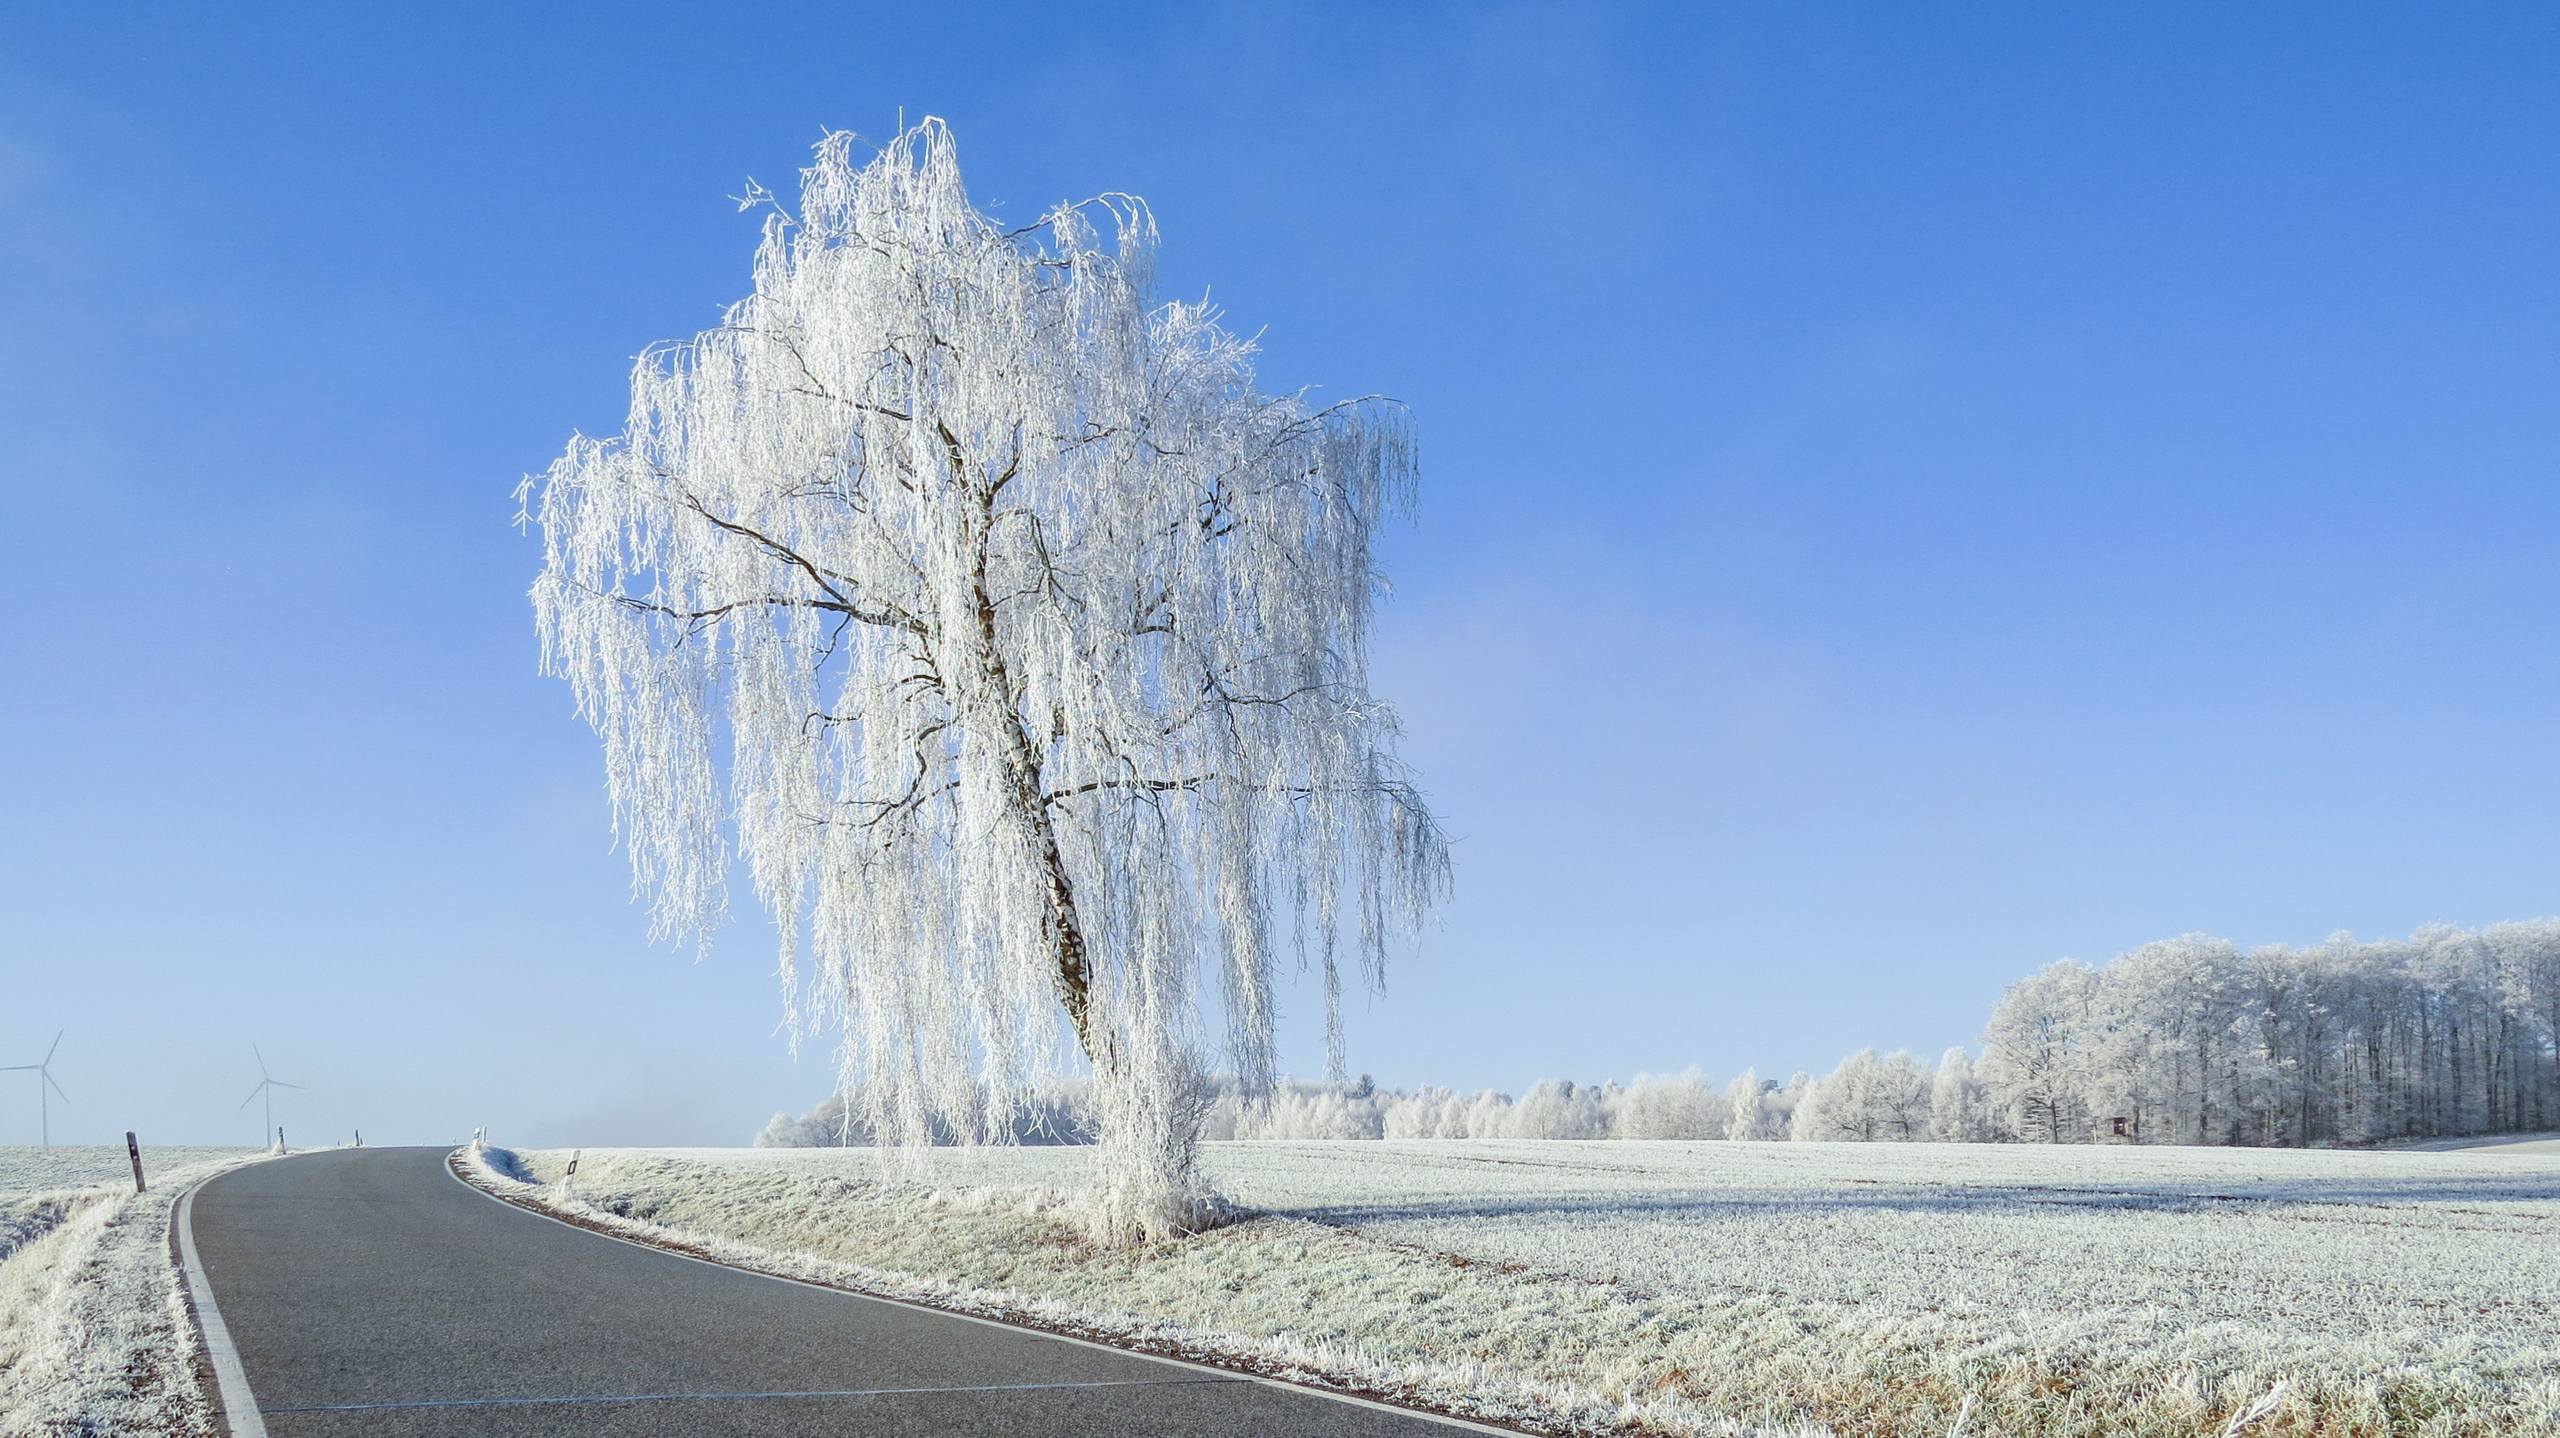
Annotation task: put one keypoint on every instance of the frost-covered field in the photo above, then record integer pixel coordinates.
(1712, 1287)
(2497, 1143)
(40, 1188)
(2293, 1246)
(37, 1170)
(93, 1337)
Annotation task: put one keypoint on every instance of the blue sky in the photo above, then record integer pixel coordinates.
(1908, 496)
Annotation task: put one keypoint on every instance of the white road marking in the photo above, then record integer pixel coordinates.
(239, 1405)
(1443, 1419)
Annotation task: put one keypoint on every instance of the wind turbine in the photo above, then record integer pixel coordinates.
(267, 1084)
(44, 1079)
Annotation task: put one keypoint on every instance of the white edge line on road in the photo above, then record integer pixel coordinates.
(1443, 1419)
(239, 1406)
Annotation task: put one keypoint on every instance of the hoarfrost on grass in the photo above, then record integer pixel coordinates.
(94, 1336)
(1715, 1288)
(39, 1170)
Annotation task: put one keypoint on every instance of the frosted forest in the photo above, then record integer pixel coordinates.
(2449, 1032)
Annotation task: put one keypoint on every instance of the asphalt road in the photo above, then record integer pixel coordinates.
(369, 1292)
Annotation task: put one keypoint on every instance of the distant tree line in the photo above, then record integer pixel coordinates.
(2446, 1032)
(2189, 1040)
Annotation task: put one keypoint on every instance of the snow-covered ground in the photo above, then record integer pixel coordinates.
(1717, 1287)
(93, 1334)
(41, 1188)
(25, 1170)
(2527, 1143)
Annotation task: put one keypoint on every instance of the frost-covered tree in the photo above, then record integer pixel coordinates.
(1958, 1110)
(1451, 1120)
(1783, 1101)
(1489, 1115)
(1900, 1097)
(1867, 1099)
(2527, 959)
(1060, 1112)
(1312, 1111)
(1561, 1108)
(2165, 1051)
(2032, 1052)
(1429, 1112)
(2449, 1031)
(1747, 1113)
(1829, 1111)
(1018, 643)
(1670, 1106)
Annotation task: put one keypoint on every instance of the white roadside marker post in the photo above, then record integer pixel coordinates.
(280, 1148)
(133, 1151)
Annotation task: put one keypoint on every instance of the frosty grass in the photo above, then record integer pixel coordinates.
(94, 1336)
(1721, 1288)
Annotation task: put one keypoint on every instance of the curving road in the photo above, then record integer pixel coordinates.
(368, 1291)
